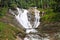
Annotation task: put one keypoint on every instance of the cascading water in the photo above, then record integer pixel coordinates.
(23, 19)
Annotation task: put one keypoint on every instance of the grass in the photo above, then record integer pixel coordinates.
(49, 15)
(7, 32)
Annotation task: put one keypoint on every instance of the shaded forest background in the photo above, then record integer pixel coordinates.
(51, 7)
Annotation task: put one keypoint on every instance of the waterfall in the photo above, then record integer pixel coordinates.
(22, 18)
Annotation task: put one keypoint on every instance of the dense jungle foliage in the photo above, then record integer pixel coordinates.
(51, 7)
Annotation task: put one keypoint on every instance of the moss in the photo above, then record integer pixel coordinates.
(8, 32)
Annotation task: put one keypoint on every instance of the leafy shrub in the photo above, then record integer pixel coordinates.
(3, 11)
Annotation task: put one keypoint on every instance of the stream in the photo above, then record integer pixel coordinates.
(24, 17)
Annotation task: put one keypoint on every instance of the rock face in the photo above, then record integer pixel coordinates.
(28, 19)
(19, 38)
(51, 29)
(31, 18)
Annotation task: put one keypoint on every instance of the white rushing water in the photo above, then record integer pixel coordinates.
(22, 18)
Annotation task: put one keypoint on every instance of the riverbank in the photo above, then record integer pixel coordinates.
(9, 31)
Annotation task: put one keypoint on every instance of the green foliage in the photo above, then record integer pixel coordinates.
(56, 6)
(3, 11)
(49, 6)
(13, 6)
(41, 4)
(6, 32)
(51, 16)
